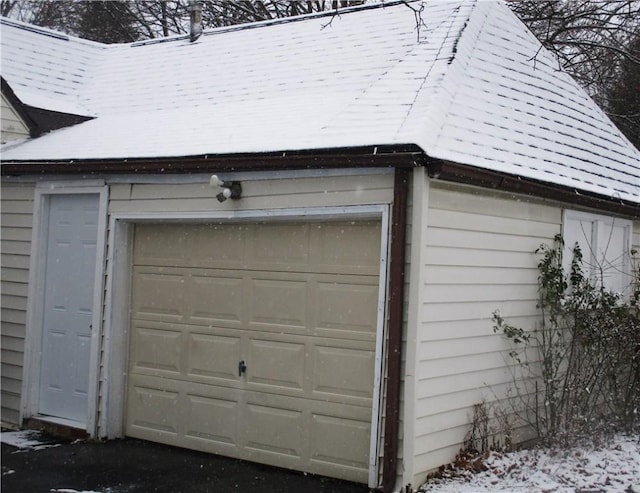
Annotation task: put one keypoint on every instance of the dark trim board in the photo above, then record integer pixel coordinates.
(395, 322)
(471, 175)
(356, 157)
(388, 156)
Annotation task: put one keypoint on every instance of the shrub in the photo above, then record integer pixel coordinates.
(583, 361)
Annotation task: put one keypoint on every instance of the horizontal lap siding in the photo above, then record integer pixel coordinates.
(479, 257)
(17, 217)
(256, 195)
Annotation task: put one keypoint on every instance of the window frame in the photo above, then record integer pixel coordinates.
(597, 255)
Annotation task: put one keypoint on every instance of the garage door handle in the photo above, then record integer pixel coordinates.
(242, 367)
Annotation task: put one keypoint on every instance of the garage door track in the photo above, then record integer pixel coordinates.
(33, 462)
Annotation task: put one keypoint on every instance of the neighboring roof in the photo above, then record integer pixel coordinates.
(37, 119)
(47, 69)
(465, 81)
(17, 106)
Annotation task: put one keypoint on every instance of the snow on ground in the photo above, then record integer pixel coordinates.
(612, 467)
(26, 440)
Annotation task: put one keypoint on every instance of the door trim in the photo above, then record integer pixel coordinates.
(34, 320)
(117, 301)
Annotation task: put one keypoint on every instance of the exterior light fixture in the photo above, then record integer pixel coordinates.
(230, 189)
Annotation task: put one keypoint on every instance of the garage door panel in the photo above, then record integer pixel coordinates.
(274, 359)
(184, 386)
(329, 431)
(344, 372)
(297, 403)
(211, 419)
(158, 295)
(280, 247)
(283, 431)
(215, 299)
(153, 409)
(188, 245)
(151, 247)
(217, 245)
(277, 364)
(159, 404)
(157, 349)
(217, 368)
(213, 356)
(349, 248)
(278, 303)
(274, 429)
(346, 307)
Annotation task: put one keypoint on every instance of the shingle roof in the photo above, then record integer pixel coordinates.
(465, 81)
(47, 69)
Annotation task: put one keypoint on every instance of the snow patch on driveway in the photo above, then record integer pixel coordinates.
(27, 440)
(70, 490)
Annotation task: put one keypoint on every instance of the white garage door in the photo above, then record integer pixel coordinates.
(257, 341)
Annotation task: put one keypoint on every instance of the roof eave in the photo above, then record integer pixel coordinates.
(471, 175)
(396, 156)
(384, 156)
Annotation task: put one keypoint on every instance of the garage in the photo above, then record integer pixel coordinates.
(257, 341)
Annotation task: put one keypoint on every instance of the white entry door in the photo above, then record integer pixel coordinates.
(68, 305)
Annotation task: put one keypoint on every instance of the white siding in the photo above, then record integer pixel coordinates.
(12, 125)
(256, 195)
(478, 257)
(17, 213)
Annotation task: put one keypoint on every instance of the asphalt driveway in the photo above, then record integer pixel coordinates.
(37, 463)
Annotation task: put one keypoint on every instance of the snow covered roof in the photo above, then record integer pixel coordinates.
(47, 69)
(463, 80)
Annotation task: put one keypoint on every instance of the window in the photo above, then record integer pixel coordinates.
(606, 247)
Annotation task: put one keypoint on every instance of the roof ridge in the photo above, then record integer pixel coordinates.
(453, 56)
(459, 60)
(45, 31)
(422, 40)
(277, 21)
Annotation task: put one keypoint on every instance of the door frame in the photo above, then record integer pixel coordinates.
(118, 296)
(37, 274)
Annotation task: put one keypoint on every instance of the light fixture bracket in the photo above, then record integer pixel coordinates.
(230, 189)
